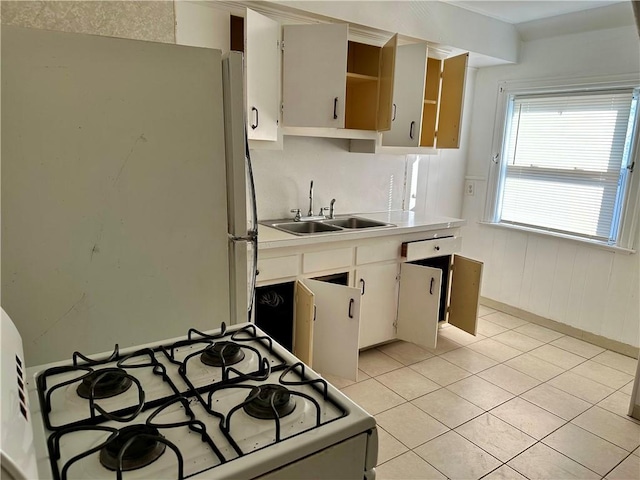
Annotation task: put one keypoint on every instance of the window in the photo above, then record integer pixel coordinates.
(566, 163)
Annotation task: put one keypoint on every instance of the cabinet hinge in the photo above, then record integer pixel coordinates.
(398, 278)
(281, 107)
(282, 45)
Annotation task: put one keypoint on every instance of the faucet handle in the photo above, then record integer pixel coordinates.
(297, 212)
(323, 210)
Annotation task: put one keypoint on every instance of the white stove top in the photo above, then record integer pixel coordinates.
(198, 409)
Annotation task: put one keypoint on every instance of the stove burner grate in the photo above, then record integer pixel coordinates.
(269, 402)
(104, 383)
(222, 354)
(140, 445)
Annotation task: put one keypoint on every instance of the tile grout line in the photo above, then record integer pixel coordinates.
(434, 354)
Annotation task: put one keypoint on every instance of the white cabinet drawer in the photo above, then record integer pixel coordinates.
(326, 260)
(378, 252)
(278, 267)
(436, 247)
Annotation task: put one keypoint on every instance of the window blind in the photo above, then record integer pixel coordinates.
(564, 162)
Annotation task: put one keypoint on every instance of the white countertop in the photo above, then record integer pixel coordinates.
(405, 221)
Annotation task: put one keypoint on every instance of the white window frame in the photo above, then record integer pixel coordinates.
(631, 207)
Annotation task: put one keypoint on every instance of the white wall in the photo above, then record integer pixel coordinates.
(588, 288)
(359, 182)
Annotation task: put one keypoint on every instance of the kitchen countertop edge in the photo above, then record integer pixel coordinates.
(406, 223)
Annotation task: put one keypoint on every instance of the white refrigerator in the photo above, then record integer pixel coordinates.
(126, 215)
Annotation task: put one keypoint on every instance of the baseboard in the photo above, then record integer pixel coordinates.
(604, 342)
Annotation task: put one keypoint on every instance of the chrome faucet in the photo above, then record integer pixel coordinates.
(310, 216)
(310, 213)
(331, 209)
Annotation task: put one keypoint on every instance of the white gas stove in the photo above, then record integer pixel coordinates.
(230, 403)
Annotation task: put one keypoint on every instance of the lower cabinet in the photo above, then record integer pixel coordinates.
(379, 302)
(274, 309)
(326, 328)
(399, 291)
(425, 290)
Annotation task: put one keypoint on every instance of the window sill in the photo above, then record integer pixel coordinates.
(582, 241)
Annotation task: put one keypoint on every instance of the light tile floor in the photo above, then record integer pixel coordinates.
(519, 401)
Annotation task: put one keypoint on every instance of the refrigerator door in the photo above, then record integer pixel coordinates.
(240, 191)
(114, 218)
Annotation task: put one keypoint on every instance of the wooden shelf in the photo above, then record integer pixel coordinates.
(358, 78)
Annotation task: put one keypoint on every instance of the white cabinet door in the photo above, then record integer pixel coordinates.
(335, 330)
(262, 57)
(419, 304)
(379, 289)
(408, 96)
(314, 75)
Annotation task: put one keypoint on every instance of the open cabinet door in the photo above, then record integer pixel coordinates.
(408, 91)
(386, 70)
(451, 98)
(303, 327)
(313, 75)
(419, 304)
(465, 294)
(262, 58)
(336, 329)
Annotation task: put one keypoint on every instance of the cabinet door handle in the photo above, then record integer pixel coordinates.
(431, 286)
(335, 108)
(351, 302)
(411, 130)
(363, 285)
(437, 248)
(254, 125)
(315, 311)
(393, 119)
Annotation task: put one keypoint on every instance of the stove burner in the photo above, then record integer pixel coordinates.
(260, 399)
(222, 353)
(113, 381)
(142, 452)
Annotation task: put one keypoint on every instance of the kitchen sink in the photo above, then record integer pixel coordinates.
(304, 228)
(333, 225)
(355, 222)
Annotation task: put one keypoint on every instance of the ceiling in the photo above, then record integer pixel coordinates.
(523, 11)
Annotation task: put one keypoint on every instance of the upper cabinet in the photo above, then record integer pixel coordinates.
(333, 86)
(450, 106)
(258, 37)
(313, 84)
(428, 99)
(329, 81)
(262, 72)
(411, 68)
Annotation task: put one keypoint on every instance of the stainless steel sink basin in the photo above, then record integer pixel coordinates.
(334, 225)
(304, 228)
(355, 222)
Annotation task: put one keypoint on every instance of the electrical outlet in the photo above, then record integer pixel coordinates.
(470, 188)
